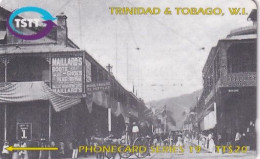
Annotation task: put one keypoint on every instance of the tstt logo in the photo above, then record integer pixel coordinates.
(23, 23)
(29, 23)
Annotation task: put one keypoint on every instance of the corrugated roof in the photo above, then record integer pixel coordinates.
(242, 37)
(39, 48)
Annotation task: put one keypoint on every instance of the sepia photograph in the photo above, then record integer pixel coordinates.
(128, 79)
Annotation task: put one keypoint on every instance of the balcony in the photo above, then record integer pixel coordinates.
(242, 79)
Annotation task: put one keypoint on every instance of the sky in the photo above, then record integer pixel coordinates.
(161, 55)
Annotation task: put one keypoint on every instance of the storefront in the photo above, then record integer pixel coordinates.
(209, 120)
(37, 92)
(237, 109)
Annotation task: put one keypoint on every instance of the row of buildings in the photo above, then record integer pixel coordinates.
(227, 104)
(51, 89)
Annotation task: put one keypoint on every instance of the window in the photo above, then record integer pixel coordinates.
(242, 58)
(2, 25)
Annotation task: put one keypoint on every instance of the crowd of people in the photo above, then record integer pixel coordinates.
(211, 139)
(69, 149)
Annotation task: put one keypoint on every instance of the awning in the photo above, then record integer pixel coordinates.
(2, 35)
(210, 118)
(99, 98)
(15, 92)
(119, 109)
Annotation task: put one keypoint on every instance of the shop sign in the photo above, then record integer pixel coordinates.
(239, 80)
(24, 131)
(67, 75)
(99, 86)
(233, 90)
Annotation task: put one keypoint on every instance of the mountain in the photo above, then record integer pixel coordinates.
(177, 106)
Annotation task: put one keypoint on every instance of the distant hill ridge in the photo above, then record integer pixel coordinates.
(178, 106)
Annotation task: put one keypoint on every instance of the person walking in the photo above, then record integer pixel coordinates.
(61, 150)
(5, 152)
(243, 140)
(23, 154)
(179, 142)
(75, 149)
(127, 133)
(15, 154)
(54, 154)
(252, 135)
(170, 138)
(135, 131)
(237, 139)
(211, 143)
(43, 154)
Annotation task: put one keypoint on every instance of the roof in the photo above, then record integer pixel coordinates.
(241, 37)
(50, 47)
(36, 48)
(243, 31)
(253, 15)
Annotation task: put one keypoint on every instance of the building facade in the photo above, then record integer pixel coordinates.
(228, 102)
(45, 90)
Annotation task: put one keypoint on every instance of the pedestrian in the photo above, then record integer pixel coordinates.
(54, 154)
(203, 142)
(75, 149)
(5, 152)
(219, 140)
(135, 131)
(15, 152)
(33, 154)
(252, 135)
(243, 140)
(170, 137)
(237, 139)
(143, 129)
(127, 133)
(179, 142)
(61, 150)
(211, 143)
(123, 138)
(43, 154)
(23, 154)
(186, 138)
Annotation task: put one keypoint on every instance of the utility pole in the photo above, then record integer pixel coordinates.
(5, 106)
(50, 107)
(109, 67)
(165, 119)
(197, 120)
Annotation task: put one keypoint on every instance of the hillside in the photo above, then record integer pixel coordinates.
(178, 105)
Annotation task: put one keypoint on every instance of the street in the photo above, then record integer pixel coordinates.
(95, 81)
